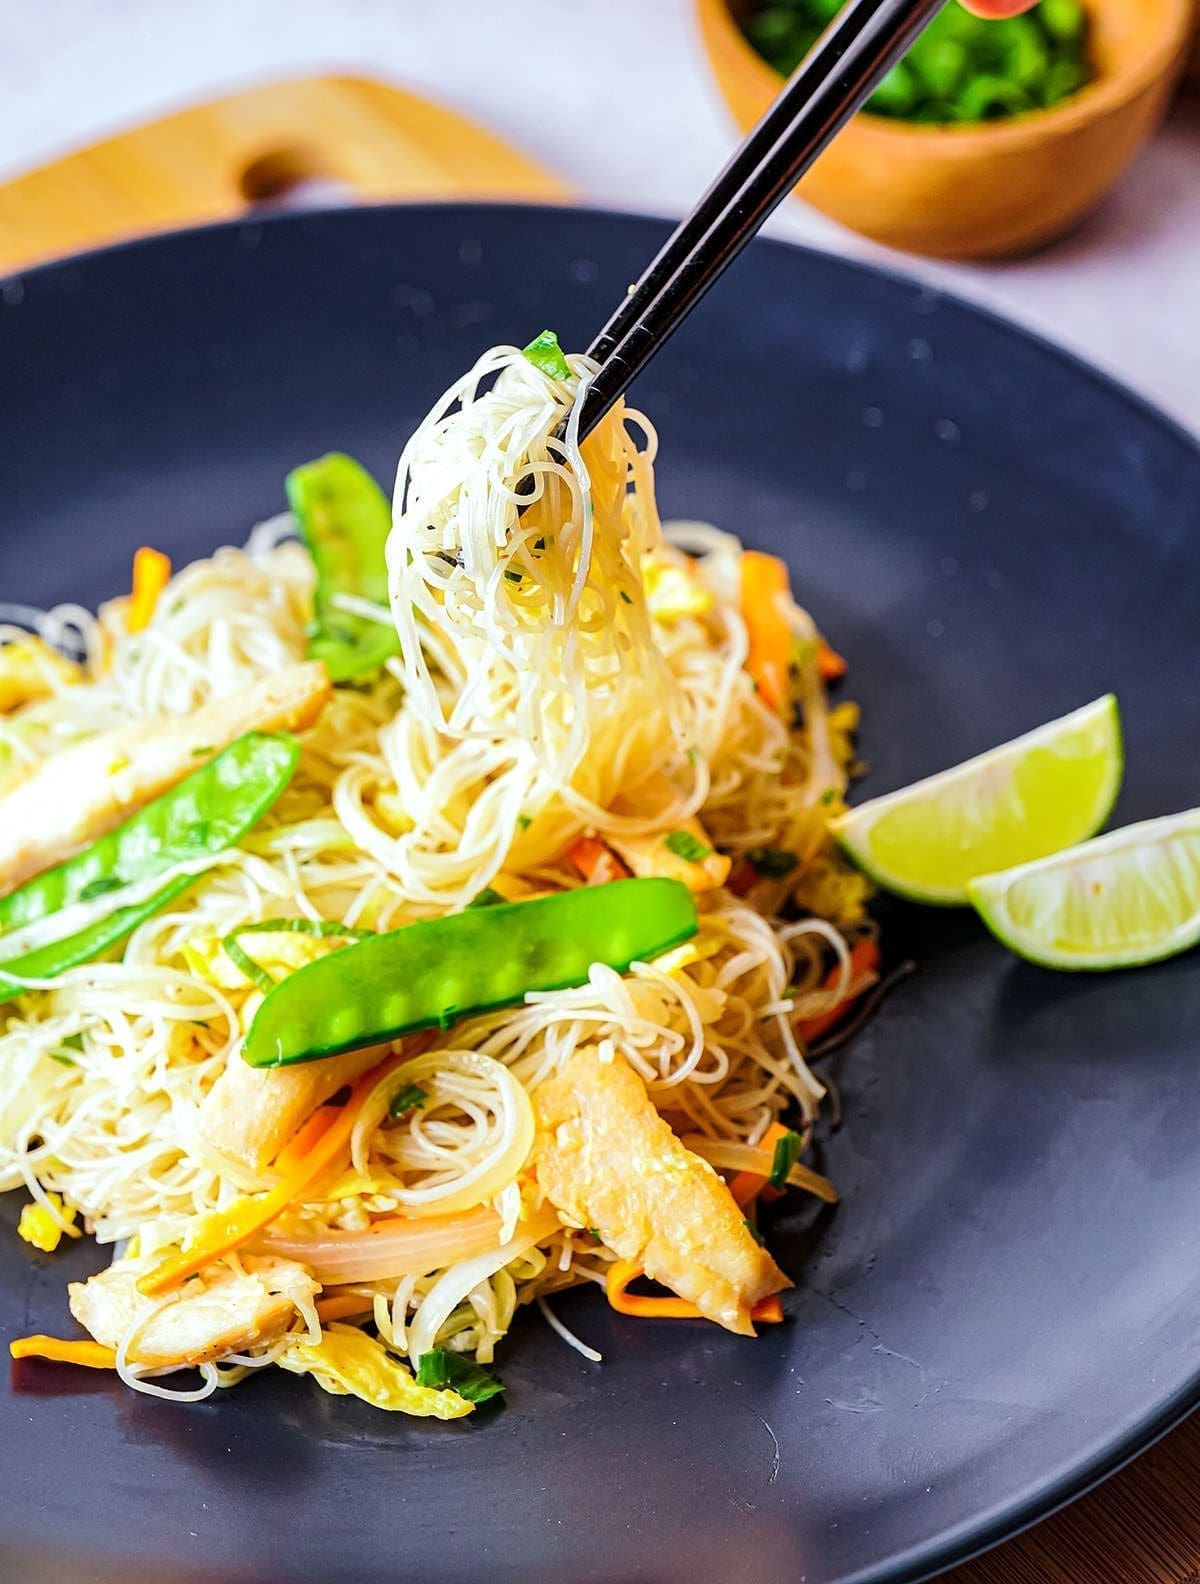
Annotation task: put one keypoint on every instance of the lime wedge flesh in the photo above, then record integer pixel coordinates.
(1029, 798)
(1130, 897)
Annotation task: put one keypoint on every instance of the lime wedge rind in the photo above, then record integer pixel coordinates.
(1047, 790)
(1131, 897)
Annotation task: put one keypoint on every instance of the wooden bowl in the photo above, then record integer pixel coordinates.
(989, 190)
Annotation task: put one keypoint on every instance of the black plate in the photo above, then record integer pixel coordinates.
(1005, 1305)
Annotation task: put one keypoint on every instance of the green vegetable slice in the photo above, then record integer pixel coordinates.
(686, 846)
(324, 929)
(437, 970)
(410, 1098)
(773, 863)
(344, 520)
(442, 1370)
(488, 897)
(545, 353)
(208, 811)
(787, 1152)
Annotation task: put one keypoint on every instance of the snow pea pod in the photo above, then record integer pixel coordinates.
(208, 811)
(48, 961)
(431, 973)
(344, 520)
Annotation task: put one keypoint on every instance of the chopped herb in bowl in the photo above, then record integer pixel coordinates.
(961, 70)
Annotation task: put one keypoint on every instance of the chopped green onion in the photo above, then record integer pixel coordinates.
(773, 863)
(488, 897)
(787, 1152)
(545, 353)
(443, 1370)
(410, 1098)
(686, 846)
(99, 888)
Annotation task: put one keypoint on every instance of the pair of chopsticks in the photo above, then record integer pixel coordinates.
(835, 79)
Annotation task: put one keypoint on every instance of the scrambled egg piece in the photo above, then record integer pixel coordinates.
(606, 1159)
(44, 1230)
(347, 1363)
(672, 592)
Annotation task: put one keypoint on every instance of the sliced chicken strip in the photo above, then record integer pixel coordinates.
(606, 1159)
(85, 790)
(221, 1312)
(250, 1113)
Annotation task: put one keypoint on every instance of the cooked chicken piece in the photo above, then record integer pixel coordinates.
(29, 669)
(684, 853)
(606, 1159)
(250, 1113)
(82, 791)
(221, 1312)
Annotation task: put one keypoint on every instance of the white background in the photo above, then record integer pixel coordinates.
(615, 95)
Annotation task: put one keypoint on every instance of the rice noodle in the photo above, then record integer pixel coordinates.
(537, 695)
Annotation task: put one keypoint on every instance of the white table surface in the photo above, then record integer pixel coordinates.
(616, 96)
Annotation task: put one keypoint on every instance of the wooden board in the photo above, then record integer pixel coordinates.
(209, 163)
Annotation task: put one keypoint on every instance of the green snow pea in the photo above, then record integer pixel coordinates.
(430, 973)
(208, 811)
(344, 520)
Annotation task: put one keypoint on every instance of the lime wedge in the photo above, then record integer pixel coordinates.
(1031, 797)
(1130, 897)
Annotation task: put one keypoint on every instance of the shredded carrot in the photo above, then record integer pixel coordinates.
(864, 959)
(765, 587)
(151, 574)
(830, 664)
(596, 861)
(621, 1273)
(92, 1355)
(340, 1306)
(313, 1149)
(746, 1186)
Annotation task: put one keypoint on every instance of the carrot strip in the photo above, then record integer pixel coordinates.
(596, 861)
(765, 588)
(621, 1273)
(831, 665)
(226, 1229)
(864, 959)
(91, 1355)
(151, 574)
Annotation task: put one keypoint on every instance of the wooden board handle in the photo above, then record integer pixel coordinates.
(213, 161)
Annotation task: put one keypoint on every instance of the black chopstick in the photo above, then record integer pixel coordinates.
(834, 80)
